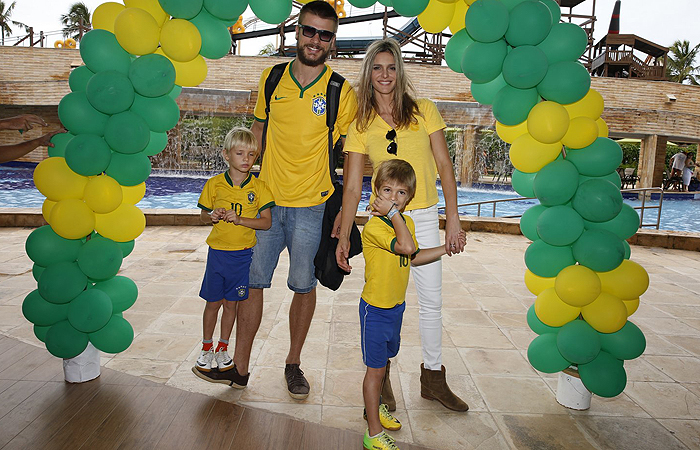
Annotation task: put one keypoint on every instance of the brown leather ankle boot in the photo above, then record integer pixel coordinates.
(433, 386)
(388, 393)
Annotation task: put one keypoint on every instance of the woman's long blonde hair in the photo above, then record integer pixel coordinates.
(405, 107)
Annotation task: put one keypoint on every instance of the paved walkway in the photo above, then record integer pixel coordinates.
(485, 339)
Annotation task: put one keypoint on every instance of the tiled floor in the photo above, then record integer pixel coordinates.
(484, 343)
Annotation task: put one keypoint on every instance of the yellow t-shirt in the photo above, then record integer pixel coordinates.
(386, 273)
(248, 199)
(295, 164)
(413, 146)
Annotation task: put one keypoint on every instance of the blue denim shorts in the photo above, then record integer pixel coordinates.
(298, 230)
(226, 275)
(380, 332)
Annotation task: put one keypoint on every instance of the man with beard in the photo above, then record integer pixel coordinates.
(295, 167)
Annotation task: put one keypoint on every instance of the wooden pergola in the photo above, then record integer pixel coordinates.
(614, 56)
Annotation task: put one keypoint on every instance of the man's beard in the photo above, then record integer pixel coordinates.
(311, 62)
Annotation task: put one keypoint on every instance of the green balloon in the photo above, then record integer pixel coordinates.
(59, 142)
(90, 311)
(110, 92)
(485, 93)
(547, 260)
(228, 10)
(40, 332)
(529, 24)
(127, 132)
(604, 376)
(612, 177)
(115, 337)
(628, 250)
(152, 75)
(100, 258)
(544, 355)
(129, 170)
(510, 4)
(121, 290)
(627, 343)
(486, 20)
(525, 66)
(565, 42)
(100, 51)
(387, 3)
(46, 248)
(599, 159)
(79, 117)
(175, 93)
(79, 77)
(126, 247)
(42, 313)
(37, 270)
(536, 324)
(556, 183)
(565, 82)
(454, 50)
(597, 200)
(410, 8)
(182, 9)
(62, 282)
(528, 222)
(365, 3)
(554, 9)
(216, 39)
(482, 62)
(624, 225)
(156, 144)
(599, 250)
(560, 225)
(512, 105)
(274, 11)
(578, 342)
(88, 154)
(160, 113)
(64, 341)
(522, 182)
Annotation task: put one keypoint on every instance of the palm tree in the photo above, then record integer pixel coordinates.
(5, 21)
(76, 21)
(681, 63)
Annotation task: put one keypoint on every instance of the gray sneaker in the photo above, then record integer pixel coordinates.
(297, 385)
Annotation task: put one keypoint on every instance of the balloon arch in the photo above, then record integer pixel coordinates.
(520, 59)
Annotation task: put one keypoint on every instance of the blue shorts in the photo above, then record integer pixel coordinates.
(297, 229)
(380, 329)
(226, 275)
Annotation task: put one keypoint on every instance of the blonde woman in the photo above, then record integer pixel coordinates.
(392, 123)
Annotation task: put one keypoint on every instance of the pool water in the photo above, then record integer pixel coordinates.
(182, 192)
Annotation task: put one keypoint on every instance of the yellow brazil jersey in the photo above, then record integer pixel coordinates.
(413, 146)
(247, 200)
(295, 164)
(386, 273)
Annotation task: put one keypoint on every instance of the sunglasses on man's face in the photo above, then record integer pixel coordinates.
(393, 146)
(310, 32)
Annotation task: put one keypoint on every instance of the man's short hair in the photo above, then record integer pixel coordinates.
(321, 9)
(240, 137)
(398, 171)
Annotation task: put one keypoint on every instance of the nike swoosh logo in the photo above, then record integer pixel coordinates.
(279, 98)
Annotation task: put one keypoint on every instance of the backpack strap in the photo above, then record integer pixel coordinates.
(335, 86)
(273, 79)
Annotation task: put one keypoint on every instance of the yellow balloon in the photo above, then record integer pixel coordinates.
(628, 281)
(124, 224)
(583, 131)
(180, 40)
(436, 16)
(137, 31)
(536, 284)
(457, 22)
(103, 194)
(552, 311)
(152, 7)
(450, 1)
(104, 16)
(529, 155)
(602, 128)
(190, 73)
(631, 305)
(548, 122)
(607, 314)
(46, 209)
(56, 181)
(577, 285)
(591, 105)
(509, 133)
(72, 219)
(133, 194)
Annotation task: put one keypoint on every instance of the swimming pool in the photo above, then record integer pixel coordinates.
(182, 192)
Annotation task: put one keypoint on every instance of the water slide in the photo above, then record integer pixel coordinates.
(359, 44)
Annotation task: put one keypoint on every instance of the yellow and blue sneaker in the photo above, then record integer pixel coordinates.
(382, 441)
(388, 421)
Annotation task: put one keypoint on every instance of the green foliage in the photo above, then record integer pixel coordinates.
(5, 20)
(681, 63)
(78, 16)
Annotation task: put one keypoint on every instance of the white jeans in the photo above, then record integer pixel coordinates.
(428, 280)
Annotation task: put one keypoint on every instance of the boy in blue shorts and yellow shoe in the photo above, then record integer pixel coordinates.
(237, 204)
(389, 245)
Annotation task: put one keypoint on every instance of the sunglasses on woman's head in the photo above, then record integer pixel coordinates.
(309, 32)
(392, 147)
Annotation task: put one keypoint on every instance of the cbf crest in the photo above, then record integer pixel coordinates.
(318, 105)
(251, 197)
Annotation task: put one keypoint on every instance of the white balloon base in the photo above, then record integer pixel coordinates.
(571, 392)
(84, 367)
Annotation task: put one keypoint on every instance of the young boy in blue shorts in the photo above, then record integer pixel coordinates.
(389, 245)
(237, 204)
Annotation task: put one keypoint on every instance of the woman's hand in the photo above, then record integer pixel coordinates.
(342, 251)
(455, 238)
